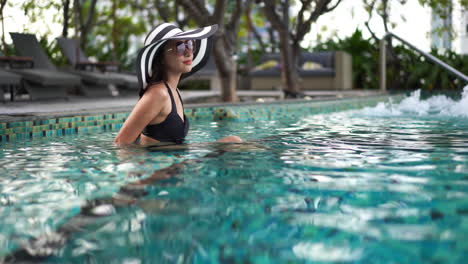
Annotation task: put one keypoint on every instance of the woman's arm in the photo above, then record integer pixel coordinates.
(147, 108)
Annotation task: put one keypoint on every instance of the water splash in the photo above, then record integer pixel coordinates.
(439, 105)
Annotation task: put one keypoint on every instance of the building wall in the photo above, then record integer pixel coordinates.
(464, 32)
(440, 31)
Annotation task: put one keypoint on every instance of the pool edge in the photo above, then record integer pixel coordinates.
(79, 122)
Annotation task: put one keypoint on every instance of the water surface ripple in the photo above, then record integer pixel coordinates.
(337, 187)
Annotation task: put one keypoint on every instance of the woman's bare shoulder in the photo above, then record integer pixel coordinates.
(157, 90)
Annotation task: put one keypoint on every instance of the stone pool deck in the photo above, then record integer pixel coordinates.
(23, 110)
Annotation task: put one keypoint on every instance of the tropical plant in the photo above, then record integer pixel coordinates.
(408, 71)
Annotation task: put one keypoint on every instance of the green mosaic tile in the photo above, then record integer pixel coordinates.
(14, 124)
(120, 115)
(70, 131)
(65, 120)
(36, 134)
(24, 136)
(48, 121)
(18, 130)
(37, 128)
(90, 129)
(21, 124)
(78, 124)
(64, 125)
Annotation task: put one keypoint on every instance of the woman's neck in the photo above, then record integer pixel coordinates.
(173, 81)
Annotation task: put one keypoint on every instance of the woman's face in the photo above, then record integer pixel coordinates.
(178, 56)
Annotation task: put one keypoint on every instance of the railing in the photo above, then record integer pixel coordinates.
(383, 61)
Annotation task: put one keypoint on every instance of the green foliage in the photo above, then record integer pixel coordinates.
(441, 6)
(195, 85)
(255, 55)
(405, 68)
(365, 56)
(101, 43)
(53, 51)
(37, 10)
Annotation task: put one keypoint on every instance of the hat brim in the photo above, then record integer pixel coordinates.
(159, 35)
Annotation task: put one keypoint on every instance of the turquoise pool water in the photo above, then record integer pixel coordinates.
(386, 184)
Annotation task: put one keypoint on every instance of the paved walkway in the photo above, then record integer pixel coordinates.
(83, 104)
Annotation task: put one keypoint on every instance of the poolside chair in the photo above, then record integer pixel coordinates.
(327, 70)
(93, 84)
(77, 58)
(9, 81)
(43, 81)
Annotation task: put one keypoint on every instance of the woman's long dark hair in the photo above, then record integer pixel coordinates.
(158, 69)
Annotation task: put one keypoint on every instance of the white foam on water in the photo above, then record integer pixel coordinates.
(438, 105)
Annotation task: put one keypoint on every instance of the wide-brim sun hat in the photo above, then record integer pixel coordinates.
(160, 34)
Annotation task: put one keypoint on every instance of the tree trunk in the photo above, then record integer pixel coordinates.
(66, 17)
(115, 3)
(88, 25)
(227, 70)
(289, 75)
(225, 39)
(2, 5)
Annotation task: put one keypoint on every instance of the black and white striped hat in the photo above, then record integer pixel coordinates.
(166, 31)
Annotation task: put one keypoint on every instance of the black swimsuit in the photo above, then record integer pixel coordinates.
(172, 129)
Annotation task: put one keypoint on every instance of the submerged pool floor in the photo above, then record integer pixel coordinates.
(366, 185)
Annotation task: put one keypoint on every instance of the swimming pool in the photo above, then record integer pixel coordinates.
(381, 184)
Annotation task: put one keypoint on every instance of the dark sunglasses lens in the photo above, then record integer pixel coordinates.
(180, 48)
(190, 44)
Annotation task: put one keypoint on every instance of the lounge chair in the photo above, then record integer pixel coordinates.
(44, 81)
(9, 81)
(40, 83)
(330, 70)
(93, 84)
(78, 59)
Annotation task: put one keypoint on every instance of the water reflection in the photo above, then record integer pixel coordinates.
(346, 186)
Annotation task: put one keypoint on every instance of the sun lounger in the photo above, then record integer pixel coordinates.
(92, 84)
(78, 59)
(8, 82)
(330, 70)
(40, 83)
(44, 81)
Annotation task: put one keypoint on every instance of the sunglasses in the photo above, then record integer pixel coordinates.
(181, 46)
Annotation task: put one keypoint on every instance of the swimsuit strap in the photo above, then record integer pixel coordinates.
(174, 107)
(180, 98)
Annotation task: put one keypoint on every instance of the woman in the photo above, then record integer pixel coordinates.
(168, 56)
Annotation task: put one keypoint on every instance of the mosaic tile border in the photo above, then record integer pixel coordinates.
(95, 123)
